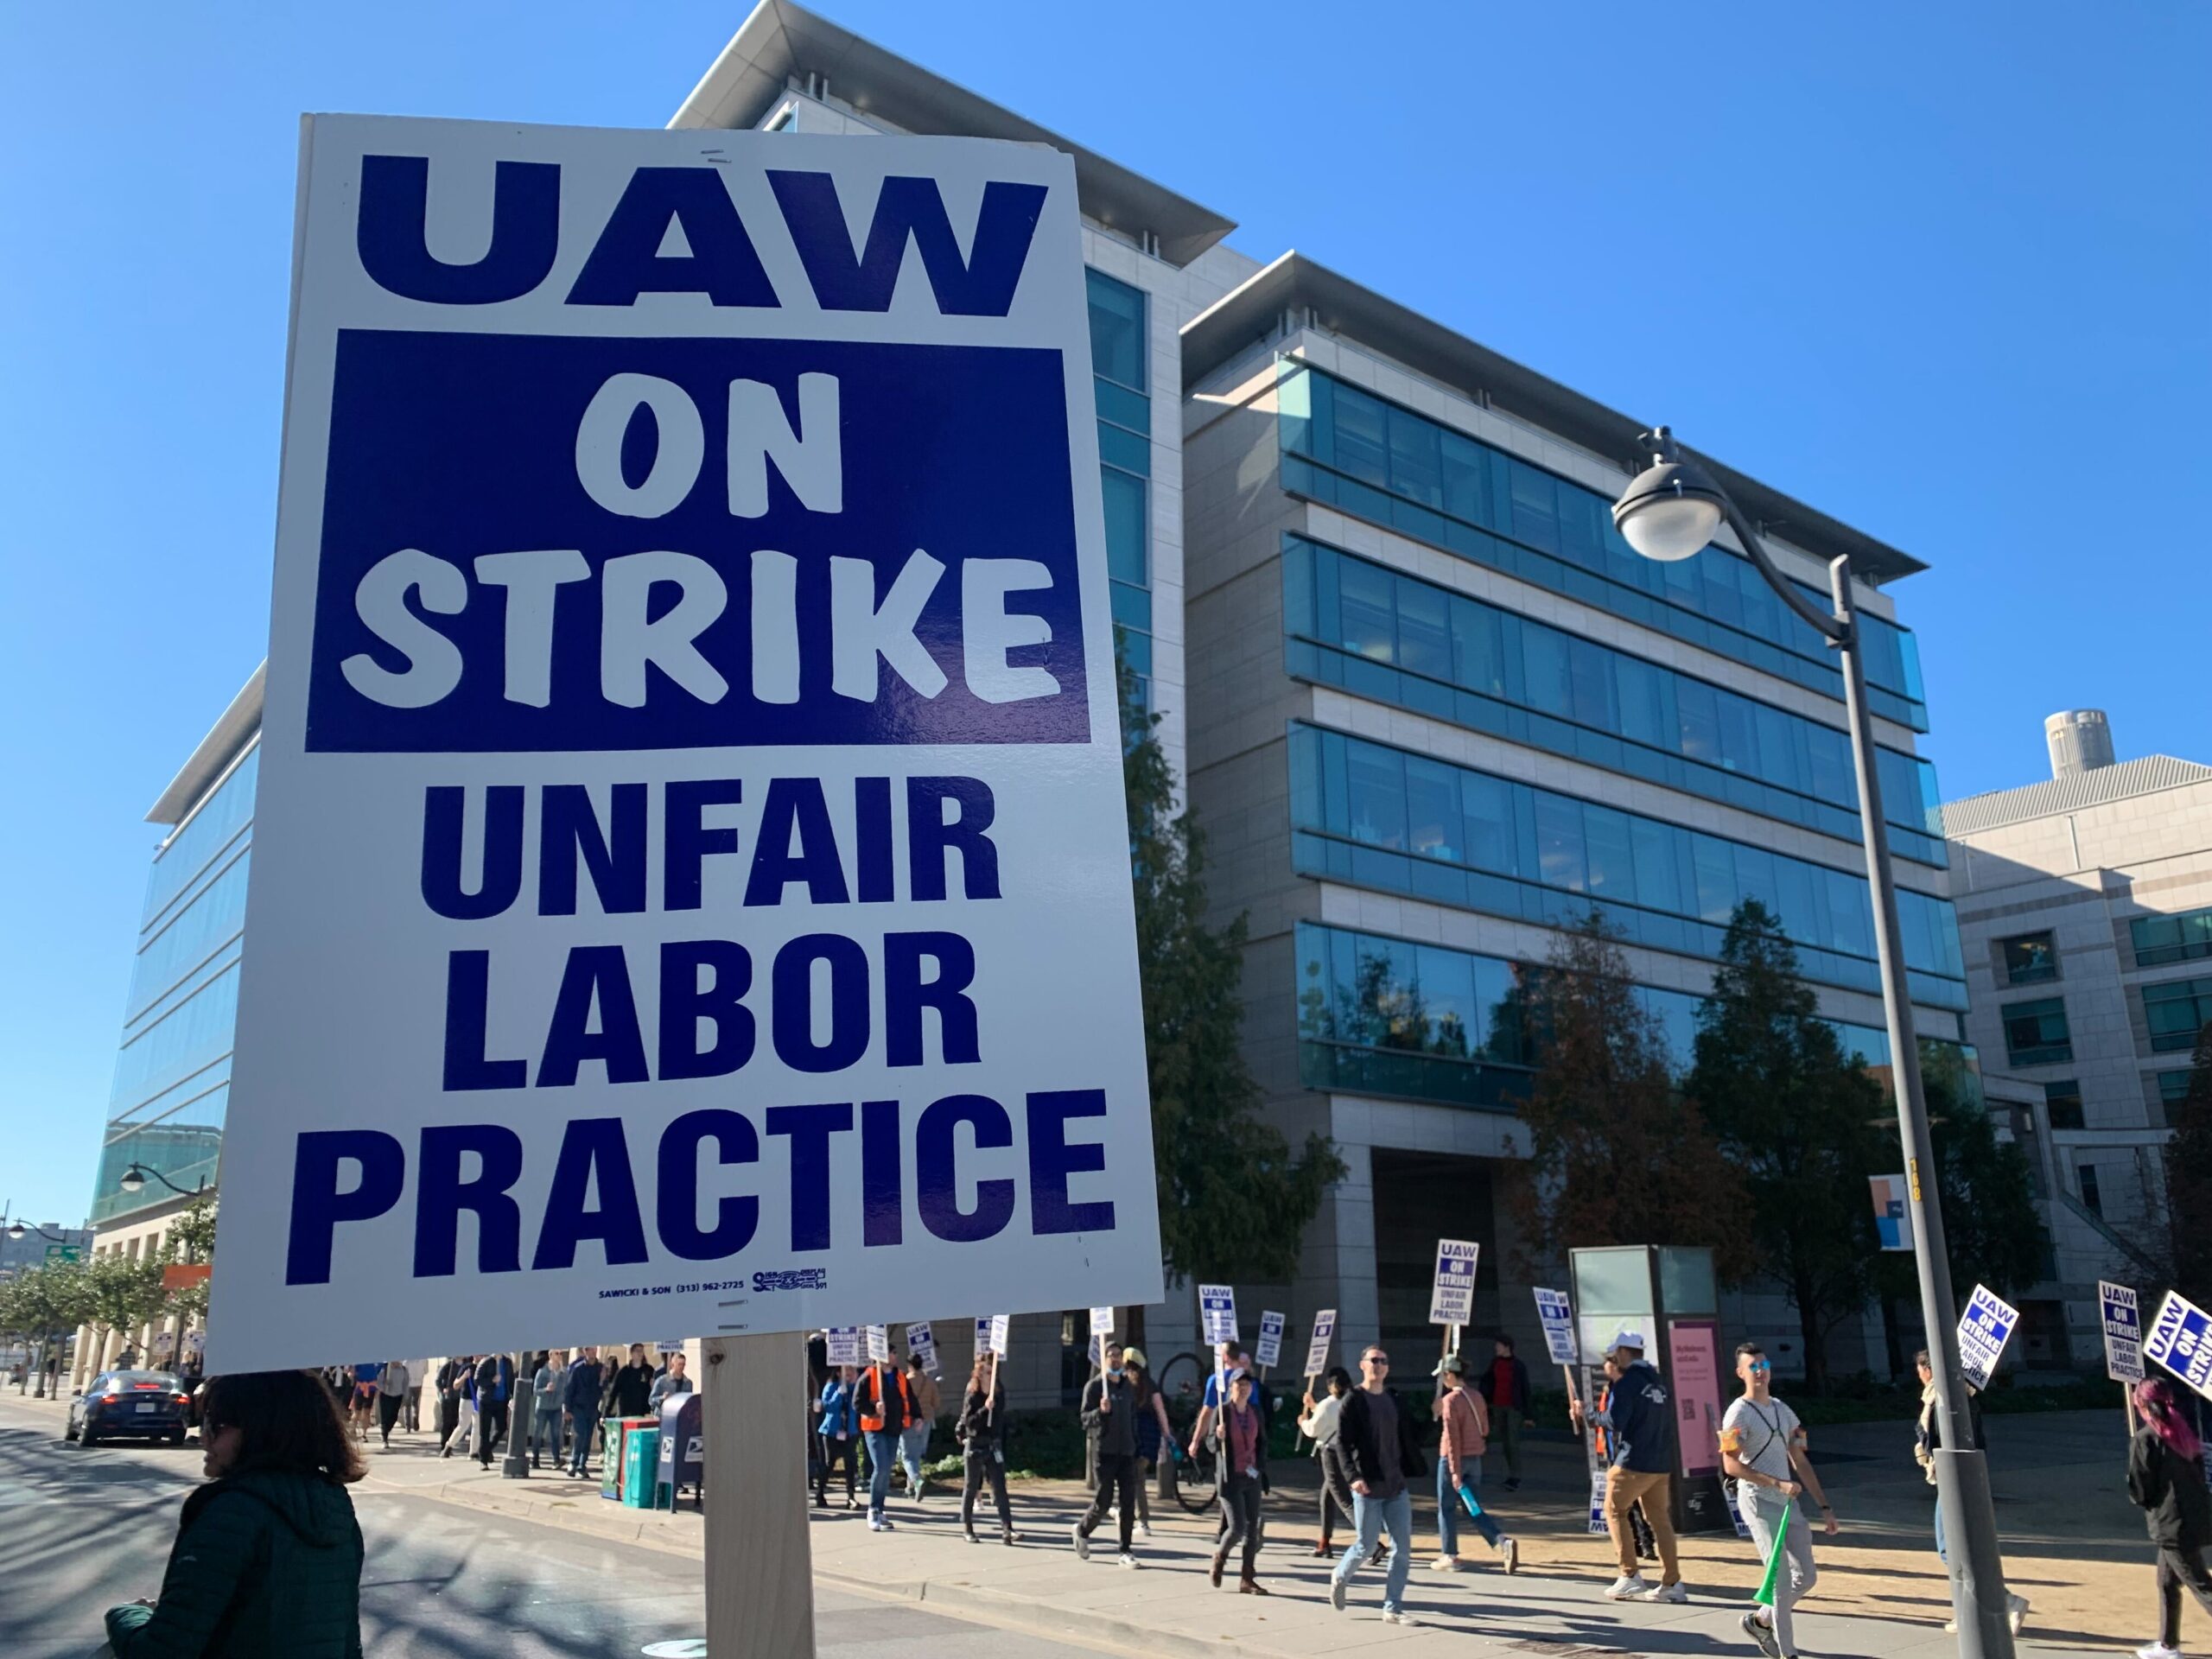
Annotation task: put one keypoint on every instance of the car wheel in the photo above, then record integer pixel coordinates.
(176, 1437)
(70, 1432)
(88, 1437)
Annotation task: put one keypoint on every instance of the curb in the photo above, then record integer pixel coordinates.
(1016, 1613)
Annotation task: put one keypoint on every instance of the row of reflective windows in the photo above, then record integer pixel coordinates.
(1389, 1016)
(191, 1036)
(1381, 817)
(209, 833)
(2063, 1099)
(188, 937)
(1119, 344)
(1385, 635)
(2175, 1011)
(2160, 939)
(1352, 450)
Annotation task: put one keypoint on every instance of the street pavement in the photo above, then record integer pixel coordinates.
(459, 1558)
(81, 1531)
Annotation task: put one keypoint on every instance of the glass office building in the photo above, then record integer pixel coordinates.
(173, 1070)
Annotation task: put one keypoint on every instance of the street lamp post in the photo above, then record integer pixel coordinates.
(1668, 512)
(134, 1181)
(18, 1230)
(522, 1414)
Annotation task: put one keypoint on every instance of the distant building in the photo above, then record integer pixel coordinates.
(164, 1138)
(2085, 910)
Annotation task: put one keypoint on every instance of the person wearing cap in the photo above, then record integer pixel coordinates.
(1459, 1469)
(1155, 1433)
(1639, 1418)
(1109, 1418)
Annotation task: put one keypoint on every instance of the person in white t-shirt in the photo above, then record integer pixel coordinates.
(1762, 1446)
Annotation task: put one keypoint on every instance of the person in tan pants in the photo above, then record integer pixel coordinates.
(1637, 1420)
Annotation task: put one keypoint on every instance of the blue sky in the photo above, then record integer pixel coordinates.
(1940, 271)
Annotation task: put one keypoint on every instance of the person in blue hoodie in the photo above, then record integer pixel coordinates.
(1638, 1424)
(580, 1399)
(839, 1426)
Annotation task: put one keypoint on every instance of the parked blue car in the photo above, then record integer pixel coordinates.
(122, 1405)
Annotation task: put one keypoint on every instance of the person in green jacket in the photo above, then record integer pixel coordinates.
(267, 1556)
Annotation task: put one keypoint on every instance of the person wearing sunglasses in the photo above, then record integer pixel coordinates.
(1382, 1452)
(1762, 1450)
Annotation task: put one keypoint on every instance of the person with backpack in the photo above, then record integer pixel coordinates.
(980, 1430)
(1762, 1450)
(2165, 1480)
(886, 1407)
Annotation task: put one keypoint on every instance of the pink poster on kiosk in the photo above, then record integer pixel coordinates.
(1693, 1367)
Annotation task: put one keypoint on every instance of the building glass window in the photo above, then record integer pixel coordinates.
(2036, 1033)
(2161, 939)
(1119, 347)
(2173, 1090)
(2030, 959)
(1378, 816)
(2175, 1011)
(1352, 450)
(2092, 1198)
(1395, 639)
(2063, 1101)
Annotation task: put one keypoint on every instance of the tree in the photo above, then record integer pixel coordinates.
(2189, 1180)
(1799, 1118)
(45, 1303)
(1618, 1154)
(1235, 1198)
(191, 1242)
(121, 1292)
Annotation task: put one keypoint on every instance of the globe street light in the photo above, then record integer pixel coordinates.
(1668, 511)
(134, 1181)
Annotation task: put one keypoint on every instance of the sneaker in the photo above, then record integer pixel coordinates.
(1510, 1549)
(1125, 1559)
(1674, 1591)
(1512, 1482)
(1622, 1589)
(969, 1533)
(1950, 1627)
(2016, 1609)
(1762, 1635)
(1446, 1563)
(1081, 1542)
(883, 1523)
(2158, 1650)
(1336, 1593)
(1144, 1528)
(875, 1523)
(1008, 1535)
(1398, 1616)
(1323, 1552)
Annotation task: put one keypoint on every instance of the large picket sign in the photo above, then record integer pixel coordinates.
(690, 890)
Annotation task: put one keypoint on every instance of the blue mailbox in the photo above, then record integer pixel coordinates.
(680, 1452)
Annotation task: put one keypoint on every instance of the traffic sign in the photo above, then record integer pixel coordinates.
(64, 1252)
(1984, 1329)
(1451, 1297)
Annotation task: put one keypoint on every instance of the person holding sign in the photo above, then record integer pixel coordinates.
(1639, 1417)
(1111, 1401)
(980, 1430)
(1928, 1438)
(1320, 1425)
(2165, 1480)
(922, 1387)
(1763, 1449)
(1155, 1433)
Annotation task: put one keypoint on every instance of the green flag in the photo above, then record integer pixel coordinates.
(1765, 1596)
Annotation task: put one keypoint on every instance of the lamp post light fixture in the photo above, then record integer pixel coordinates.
(1668, 512)
(134, 1181)
(20, 1230)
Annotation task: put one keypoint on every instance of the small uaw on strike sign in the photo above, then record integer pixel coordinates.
(691, 890)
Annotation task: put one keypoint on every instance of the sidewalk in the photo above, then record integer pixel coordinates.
(1881, 1595)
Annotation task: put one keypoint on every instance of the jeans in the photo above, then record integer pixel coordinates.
(579, 1449)
(1943, 1554)
(882, 1452)
(1240, 1508)
(1117, 1475)
(1624, 1487)
(545, 1436)
(1508, 1424)
(911, 1443)
(2178, 1567)
(980, 1466)
(1449, 1506)
(1761, 1507)
(1371, 1516)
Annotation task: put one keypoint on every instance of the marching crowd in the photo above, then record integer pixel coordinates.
(281, 1448)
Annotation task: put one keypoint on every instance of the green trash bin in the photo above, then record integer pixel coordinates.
(610, 1467)
(641, 1459)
